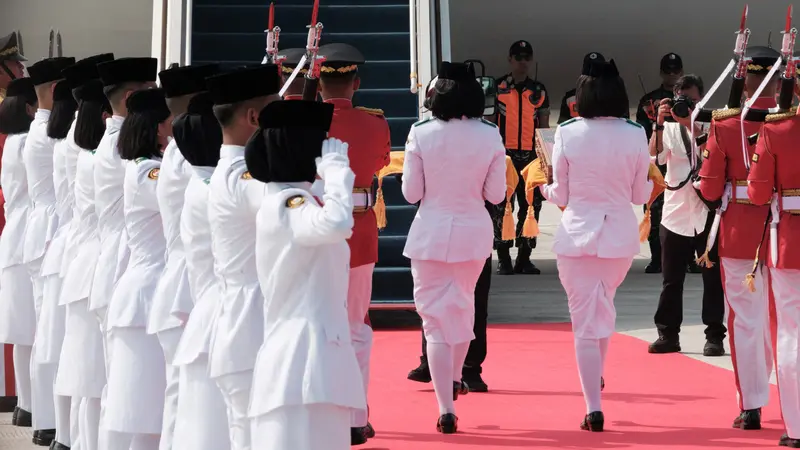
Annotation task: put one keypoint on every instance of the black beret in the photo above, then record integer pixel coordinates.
(340, 59)
(244, 84)
(456, 71)
(761, 59)
(290, 58)
(91, 91)
(186, 80)
(296, 114)
(85, 69)
(48, 70)
(148, 101)
(128, 70)
(9, 48)
(22, 87)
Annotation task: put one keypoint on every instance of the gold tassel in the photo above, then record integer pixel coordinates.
(644, 226)
(750, 282)
(380, 209)
(705, 261)
(509, 233)
(530, 228)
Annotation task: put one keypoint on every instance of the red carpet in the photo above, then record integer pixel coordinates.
(650, 401)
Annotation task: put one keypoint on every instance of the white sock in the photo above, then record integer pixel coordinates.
(63, 407)
(440, 360)
(22, 375)
(74, 424)
(603, 353)
(90, 422)
(590, 367)
(459, 355)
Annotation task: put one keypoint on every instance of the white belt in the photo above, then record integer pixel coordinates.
(741, 193)
(363, 199)
(790, 203)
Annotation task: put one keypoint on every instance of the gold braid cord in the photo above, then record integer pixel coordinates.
(722, 114)
(373, 111)
(782, 116)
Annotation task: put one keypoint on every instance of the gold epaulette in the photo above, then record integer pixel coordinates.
(373, 111)
(782, 116)
(722, 114)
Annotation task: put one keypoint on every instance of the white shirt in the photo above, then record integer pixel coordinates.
(600, 167)
(14, 180)
(684, 213)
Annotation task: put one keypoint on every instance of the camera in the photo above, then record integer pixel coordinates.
(681, 106)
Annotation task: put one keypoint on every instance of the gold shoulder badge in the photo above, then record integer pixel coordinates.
(153, 174)
(722, 114)
(295, 201)
(781, 116)
(247, 176)
(755, 157)
(372, 111)
(705, 154)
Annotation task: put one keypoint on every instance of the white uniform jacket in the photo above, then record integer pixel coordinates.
(109, 175)
(303, 262)
(600, 167)
(442, 163)
(72, 151)
(173, 287)
(54, 257)
(233, 202)
(133, 295)
(38, 159)
(203, 282)
(14, 180)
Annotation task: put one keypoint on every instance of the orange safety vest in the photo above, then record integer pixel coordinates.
(517, 112)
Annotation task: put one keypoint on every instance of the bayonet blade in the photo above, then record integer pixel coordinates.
(789, 19)
(52, 43)
(314, 14)
(743, 22)
(271, 16)
(60, 49)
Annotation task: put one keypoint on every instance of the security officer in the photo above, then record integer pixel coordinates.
(671, 71)
(288, 60)
(568, 109)
(522, 106)
(11, 60)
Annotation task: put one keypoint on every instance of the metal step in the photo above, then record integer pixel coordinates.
(393, 284)
(397, 102)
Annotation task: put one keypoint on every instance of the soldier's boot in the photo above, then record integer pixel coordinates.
(422, 374)
(786, 441)
(504, 266)
(523, 263)
(749, 419)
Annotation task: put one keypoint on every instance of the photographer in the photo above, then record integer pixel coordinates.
(685, 223)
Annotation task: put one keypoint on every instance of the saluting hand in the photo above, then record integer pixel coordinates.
(334, 155)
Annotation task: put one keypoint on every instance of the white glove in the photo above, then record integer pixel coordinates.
(334, 155)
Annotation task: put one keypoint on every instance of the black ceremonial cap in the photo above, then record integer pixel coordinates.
(148, 101)
(761, 59)
(128, 70)
(523, 48)
(591, 57)
(63, 91)
(90, 91)
(186, 80)
(9, 48)
(456, 71)
(22, 87)
(291, 58)
(85, 69)
(296, 114)
(671, 62)
(244, 84)
(49, 70)
(340, 59)
(601, 69)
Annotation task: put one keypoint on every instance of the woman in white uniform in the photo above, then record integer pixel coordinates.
(307, 380)
(17, 311)
(600, 167)
(137, 372)
(52, 320)
(451, 236)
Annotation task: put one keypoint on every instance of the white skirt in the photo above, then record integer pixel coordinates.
(52, 322)
(444, 294)
(84, 371)
(137, 380)
(17, 308)
(319, 426)
(202, 417)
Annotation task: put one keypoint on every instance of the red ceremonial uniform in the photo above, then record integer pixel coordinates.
(775, 167)
(742, 224)
(367, 133)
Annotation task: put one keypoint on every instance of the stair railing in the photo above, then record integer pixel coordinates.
(412, 24)
(423, 42)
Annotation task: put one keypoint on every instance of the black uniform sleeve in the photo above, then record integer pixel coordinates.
(546, 104)
(641, 116)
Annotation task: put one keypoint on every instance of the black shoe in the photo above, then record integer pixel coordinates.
(749, 419)
(504, 267)
(8, 404)
(459, 388)
(786, 441)
(422, 374)
(22, 418)
(593, 421)
(713, 347)
(693, 268)
(447, 424)
(652, 268)
(369, 432)
(475, 382)
(44, 437)
(664, 345)
(526, 267)
(58, 446)
(357, 436)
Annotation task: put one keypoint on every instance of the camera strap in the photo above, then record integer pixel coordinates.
(688, 146)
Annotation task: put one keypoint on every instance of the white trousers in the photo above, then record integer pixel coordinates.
(591, 284)
(749, 331)
(202, 421)
(319, 426)
(786, 288)
(169, 340)
(359, 296)
(22, 374)
(235, 388)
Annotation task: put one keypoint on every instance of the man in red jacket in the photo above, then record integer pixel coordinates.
(367, 133)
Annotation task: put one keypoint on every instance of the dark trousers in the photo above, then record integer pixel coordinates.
(677, 252)
(477, 348)
(654, 238)
(520, 159)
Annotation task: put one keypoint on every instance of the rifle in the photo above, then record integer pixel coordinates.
(273, 37)
(311, 85)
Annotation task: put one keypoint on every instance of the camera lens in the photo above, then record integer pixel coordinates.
(680, 109)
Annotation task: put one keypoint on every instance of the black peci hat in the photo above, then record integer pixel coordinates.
(244, 84)
(128, 70)
(590, 58)
(296, 114)
(49, 70)
(601, 69)
(148, 101)
(90, 91)
(22, 87)
(456, 71)
(186, 80)
(9, 48)
(340, 59)
(291, 58)
(761, 59)
(671, 62)
(85, 69)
